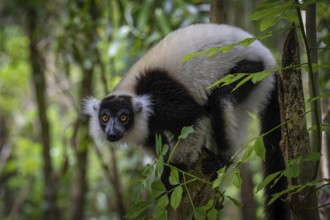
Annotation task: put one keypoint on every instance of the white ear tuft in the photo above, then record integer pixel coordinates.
(90, 106)
(138, 107)
(142, 103)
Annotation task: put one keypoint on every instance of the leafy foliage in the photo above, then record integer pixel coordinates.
(164, 199)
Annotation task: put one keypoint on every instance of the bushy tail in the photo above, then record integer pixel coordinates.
(270, 118)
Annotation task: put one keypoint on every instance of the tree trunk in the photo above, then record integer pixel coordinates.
(325, 168)
(38, 74)
(81, 142)
(197, 192)
(295, 138)
(8, 193)
(218, 13)
(314, 88)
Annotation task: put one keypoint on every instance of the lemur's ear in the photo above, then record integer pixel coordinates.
(141, 103)
(138, 107)
(90, 106)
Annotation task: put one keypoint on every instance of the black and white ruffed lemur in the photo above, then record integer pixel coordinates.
(161, 94)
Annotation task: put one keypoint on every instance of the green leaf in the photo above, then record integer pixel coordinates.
(214, 51)
(247, 41)
(257, 77)
(228, 79)
(224, 49)
(161, 215)
(218, 180)
(195, 54)
(161, 211)
(176, 197)
(158, 144)
(271, 10)
(292, 171)
(162, 202)
(159, 167)
(237, 180)
(199, 214)
(147, 182)
(147, 171)
(174, 177)
(295, 161)
(243, 81)
(259, 148)
(213, 214)
(259, 14)
(165, 149)
(268, 22)
(185, 132)
(157, 189)
(235, 202)
(208, 205)
(134, 211)
(267, 180)
(312, 156)
(247, 153)
(279, 194)
(277, 179)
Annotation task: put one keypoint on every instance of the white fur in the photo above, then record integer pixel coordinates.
(200, 72)
(189, 149)
(91, 107)
(139, 132)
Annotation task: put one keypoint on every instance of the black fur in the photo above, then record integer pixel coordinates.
(270, 118)
(112, 105)
(172, 104)
(219, 96)
(274, 161)
(244, 66)
(213, 162)
(173, 108)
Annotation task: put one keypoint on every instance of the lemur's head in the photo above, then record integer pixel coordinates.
(118, 118)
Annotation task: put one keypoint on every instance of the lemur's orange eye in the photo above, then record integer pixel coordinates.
(123, 118)
(105, 118)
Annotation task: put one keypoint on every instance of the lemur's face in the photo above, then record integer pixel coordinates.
(116, 116)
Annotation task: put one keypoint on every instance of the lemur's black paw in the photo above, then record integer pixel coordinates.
(213, 162)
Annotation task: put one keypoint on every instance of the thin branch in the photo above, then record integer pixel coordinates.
(316, 119)
(20, 199)
(104, 166)
(188, 193)
(318, 207)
